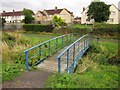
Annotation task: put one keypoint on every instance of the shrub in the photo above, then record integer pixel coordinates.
(105, 29)
(62, 30)
(37, 27)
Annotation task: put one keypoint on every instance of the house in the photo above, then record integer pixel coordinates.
(77, 20)
(13, 17)
(47, 15)
(114, 17)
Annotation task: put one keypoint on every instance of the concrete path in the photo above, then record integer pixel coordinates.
(31, 79)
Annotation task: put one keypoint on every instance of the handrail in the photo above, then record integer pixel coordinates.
(78, 49)
(41, 51)
(70, 46)
(44, 42)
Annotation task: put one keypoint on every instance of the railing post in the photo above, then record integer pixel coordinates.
(26, 56)
(39, 55)
(67, 59)
(49, 48)
(59, 65)
(74, 52)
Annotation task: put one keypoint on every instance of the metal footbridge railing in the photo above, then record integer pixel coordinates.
(40, 52)
(68, 59)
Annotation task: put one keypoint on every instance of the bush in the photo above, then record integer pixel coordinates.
(62, 30)
(37, 27)
(105, 29)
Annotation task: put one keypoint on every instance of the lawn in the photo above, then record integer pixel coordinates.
(95, 69)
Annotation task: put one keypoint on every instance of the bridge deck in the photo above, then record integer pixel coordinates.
(51, 63)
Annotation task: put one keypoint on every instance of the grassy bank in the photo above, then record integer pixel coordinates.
(97, 69)
(13, 57)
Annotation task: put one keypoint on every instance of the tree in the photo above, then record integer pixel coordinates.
(2, 21)
(28, 16)
(58, 21)
(99, 11)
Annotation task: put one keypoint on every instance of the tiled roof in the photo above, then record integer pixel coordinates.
(53, 11)
(42, 13)
(57, 11)
(16, 13)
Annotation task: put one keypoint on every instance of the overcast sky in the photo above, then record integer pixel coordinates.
(74, 6)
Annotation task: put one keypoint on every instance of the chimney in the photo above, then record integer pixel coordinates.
(83, 8)
(13, 10)
(4, 11)
(55, 8)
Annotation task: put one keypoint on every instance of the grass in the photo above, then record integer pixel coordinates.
(13, 57)
(93, 71)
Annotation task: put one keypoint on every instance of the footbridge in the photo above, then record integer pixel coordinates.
(60, 54)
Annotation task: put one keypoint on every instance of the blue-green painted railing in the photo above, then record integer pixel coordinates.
(40, 52)
(72, 54)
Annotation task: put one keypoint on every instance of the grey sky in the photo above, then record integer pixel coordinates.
(75, 6)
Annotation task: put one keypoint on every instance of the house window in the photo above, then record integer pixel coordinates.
(113, 12)
(111, 20)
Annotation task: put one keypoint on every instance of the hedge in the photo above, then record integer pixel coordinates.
(38, 27)
(106, 29)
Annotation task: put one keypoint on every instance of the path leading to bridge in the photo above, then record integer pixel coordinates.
(31, 79)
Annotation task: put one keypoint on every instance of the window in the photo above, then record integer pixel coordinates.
(113, 12)
(111, 20)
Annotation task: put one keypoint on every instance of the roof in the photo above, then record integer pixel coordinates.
(57, 11)
(115, 7)
(77, 18)
(16, 13)
(42, 13)
(53, 11)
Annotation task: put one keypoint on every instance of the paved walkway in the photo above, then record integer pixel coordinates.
(31, 79)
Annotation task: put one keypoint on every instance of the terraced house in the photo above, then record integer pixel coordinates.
(114, 17)
(47, 15)
(13, 17)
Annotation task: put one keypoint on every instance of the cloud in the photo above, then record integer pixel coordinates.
(76, 6)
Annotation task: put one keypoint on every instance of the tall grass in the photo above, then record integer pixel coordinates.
(13, 57)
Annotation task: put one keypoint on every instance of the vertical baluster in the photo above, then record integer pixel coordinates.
(59, 66)
(67, 60)
(73, 52)
(39, 55)
(49, 48)
(26, 56)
